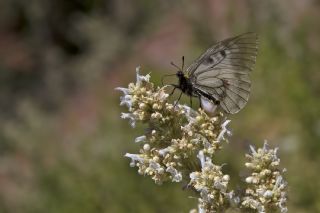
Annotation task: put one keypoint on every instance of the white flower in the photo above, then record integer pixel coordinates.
(155, 165)
(224, 130)
(126, 100)
(164, 151)
(140, 139)
(134, 158)
(141, 78)
(176, 176)
(122, 89)
(266, 186)
(268, 194)
(201, 158)
(132, 119)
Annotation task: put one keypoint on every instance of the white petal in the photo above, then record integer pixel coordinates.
(176, 176)
(141, 78)
(201, 158)
(268, 194)
(126, 100)
(154, 165)
(224, 130)
(130, 117)
(253, 150)
(193, 176)
(164, 151)
(134, 158)
(140, 139)
(122, 89)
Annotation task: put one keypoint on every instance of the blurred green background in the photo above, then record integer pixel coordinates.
(62, 141)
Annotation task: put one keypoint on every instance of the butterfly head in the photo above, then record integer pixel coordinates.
(180, 74)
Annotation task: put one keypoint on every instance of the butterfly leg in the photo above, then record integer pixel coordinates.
(174, 88)
(190, 101)
(172, 91)
(178, 99)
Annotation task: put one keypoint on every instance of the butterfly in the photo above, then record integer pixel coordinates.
(221, 74)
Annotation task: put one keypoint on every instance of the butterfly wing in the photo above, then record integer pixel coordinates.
(222, 72)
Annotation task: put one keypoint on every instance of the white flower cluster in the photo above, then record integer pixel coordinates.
(267, 188)
(180, 144)
(212, 185)
(175, 134)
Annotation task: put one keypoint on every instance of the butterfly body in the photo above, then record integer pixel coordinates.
(221, 74)
(185, 84)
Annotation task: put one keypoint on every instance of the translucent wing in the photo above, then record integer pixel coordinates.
(222, 72)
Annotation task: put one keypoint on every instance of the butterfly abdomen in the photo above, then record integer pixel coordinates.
(207, 96)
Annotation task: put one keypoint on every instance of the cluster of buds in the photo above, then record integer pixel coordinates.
(266, 189)
(180, 144)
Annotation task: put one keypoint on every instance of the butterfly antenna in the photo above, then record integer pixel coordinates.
(182, 62)
(175, 65)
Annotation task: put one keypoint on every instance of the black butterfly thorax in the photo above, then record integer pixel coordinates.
(185, 84)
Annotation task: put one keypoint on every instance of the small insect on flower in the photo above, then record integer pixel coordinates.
(221, 74)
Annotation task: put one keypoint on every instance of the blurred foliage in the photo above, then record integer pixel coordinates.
(62, 141)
